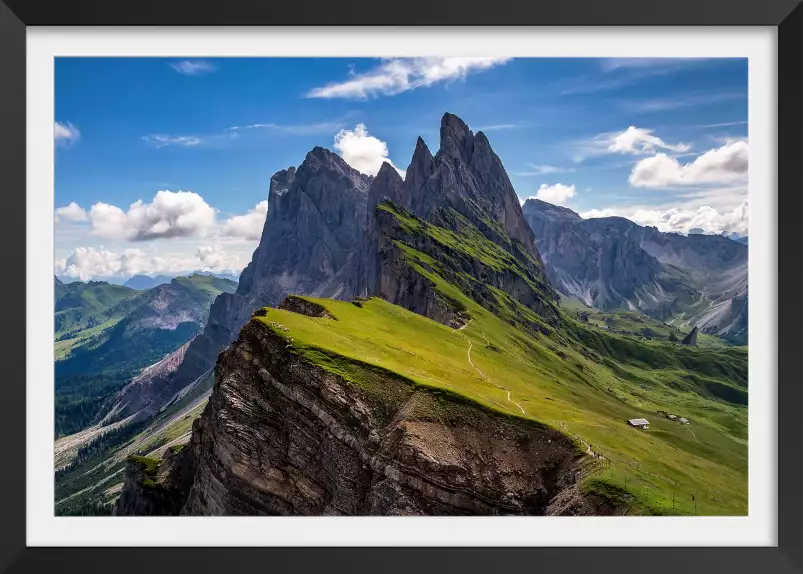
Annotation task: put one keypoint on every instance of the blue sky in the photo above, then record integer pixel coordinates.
(663, 142)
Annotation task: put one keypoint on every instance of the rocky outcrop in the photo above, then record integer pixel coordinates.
(302, 306)
(691, 338)
(281, 436)
(155, 487)
(309, 246)
(612, 263)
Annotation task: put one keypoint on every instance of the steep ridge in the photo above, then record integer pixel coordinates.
(309, 245)
(612, 263)
(289, 438)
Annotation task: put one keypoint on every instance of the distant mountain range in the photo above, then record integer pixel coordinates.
(106, 333)
(141, 282)
(612, 263)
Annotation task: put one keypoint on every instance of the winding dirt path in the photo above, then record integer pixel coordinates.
(588, 446)
(484, 376)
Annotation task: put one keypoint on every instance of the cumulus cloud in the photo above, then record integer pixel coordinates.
(193, 67)
(87, 262)
(633, 141)
(66, 134)
(71, 212)
(398, 75)
(725, 164)
(557, 194)
(215, 258)
(362, 151)
(640, 141)
(679, 220)
(248, 226)
(169, 214)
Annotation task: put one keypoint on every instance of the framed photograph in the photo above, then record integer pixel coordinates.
(338, 290)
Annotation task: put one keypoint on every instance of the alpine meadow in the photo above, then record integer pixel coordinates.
(407, 320)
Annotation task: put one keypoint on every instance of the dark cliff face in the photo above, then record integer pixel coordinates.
(309, 246)
(613, 263)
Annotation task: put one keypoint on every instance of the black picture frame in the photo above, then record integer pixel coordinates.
(786, 15)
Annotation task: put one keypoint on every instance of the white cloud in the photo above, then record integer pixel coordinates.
(215, 258)
(680, 220)
(193, 67)
(72, 212)
(362, 151)
(634, 140)
(557, 194)
(544, 170)
(88, 262)
(65, 135)
(170, 214)
(248, 226)
(725, 164)
(640, 141)
(164, 140)
(399, 75)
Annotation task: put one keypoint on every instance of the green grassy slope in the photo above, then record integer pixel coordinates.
(577, 378)
(572, 394)
(86, 309)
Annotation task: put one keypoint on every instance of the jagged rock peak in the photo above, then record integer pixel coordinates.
(387, 174)
(691, 338)
(321, 158)
(456, 137)
(422, 165)
(387, 184)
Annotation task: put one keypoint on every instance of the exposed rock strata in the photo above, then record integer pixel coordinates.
(280, 436)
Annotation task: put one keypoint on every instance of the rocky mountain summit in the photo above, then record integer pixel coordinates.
(309, 245)
(612, 263)
(322, 233)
